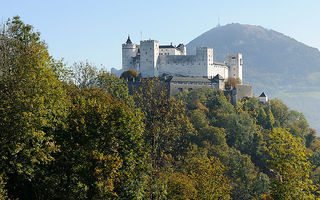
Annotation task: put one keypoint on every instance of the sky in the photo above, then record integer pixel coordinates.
(80, 30)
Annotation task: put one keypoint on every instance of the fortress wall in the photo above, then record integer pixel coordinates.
(189, 65)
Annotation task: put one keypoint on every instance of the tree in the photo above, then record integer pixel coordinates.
(167, 126)
(262, 117)
(181, 186)
(290, 165)
(115, 86)
(280, 112)
(213, 135)
(269, 120)
(130, 75)
(101, 150)
(32, 106)
(198, 119)
(83, 74)
(231, 83)
(208, 175)
(3, 191)
(167, 129)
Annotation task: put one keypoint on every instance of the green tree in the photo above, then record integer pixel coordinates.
(83, 74)
(115, 86)
(32, 106)
(101, 150)
(198, 119)
(208, 174)
(290, 165)
(262, 117)
(280, 112)
(167, 129)
(269, 120)
(181, 186)
(213, 135)
(130, 75)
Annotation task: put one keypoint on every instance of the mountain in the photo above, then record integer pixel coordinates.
(273, 62)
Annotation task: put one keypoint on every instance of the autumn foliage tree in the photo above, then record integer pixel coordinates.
(32, 106)
(289, 162)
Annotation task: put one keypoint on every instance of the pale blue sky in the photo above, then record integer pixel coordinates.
(77, 30)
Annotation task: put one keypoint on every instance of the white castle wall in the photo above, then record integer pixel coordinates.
(182, 65)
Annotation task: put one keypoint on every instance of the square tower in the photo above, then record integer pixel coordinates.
(235, 62)
(149, 53)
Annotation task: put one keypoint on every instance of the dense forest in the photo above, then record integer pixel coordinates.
(75, 132)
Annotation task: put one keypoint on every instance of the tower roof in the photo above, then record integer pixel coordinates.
(262, 95)
(128, 40)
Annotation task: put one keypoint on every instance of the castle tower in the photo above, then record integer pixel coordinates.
(234, 62)
(129, 51)
(205, 59)
(149, 53)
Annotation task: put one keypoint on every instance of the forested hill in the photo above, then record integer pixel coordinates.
(274, 63)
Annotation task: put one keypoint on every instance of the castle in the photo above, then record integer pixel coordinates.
(151, 59)
(181, 71)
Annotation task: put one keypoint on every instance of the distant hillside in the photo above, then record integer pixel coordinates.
(273, 62)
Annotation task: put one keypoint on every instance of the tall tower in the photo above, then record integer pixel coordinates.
(235, 62)
(149, 53)
(129, 51)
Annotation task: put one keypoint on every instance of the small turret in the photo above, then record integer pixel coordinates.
(263, 98)
(129, 52)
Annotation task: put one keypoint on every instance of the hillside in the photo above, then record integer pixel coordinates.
(273, 62)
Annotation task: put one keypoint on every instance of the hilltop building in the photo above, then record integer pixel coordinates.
(180, 71)
(151, 59)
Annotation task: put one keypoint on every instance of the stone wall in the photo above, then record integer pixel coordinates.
(182, 65)
(240, 92)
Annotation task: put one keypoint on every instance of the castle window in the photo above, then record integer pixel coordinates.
(146, 52)
(180, 89)
(189, 89)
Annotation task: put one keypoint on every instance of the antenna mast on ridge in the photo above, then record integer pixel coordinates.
(218, 22)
